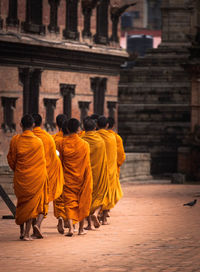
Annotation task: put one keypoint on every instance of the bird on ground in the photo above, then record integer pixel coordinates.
(192, 203)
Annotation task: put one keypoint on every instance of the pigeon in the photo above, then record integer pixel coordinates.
(192, 203)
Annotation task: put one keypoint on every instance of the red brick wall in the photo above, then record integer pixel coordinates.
(50, 88)
(61, 19)
(51, 80)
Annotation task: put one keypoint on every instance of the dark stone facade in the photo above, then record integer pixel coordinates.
(155, 95)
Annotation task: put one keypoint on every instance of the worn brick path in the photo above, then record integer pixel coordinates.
(149, 230)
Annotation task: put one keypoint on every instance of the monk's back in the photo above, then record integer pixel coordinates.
(111, 146)
(28, 147)
(74, 156)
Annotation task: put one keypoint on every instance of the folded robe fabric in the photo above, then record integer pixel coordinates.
(98, 159)
(121, 156)
(58, 204)
(53, 163)
(26, 158)
(81, 133)
(57, 136)
(115, 192)
(77, 190)
(120, 159)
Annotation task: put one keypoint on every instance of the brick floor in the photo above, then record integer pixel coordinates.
(149, 230)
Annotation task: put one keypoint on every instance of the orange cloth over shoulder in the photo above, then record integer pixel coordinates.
(98, 159)
(115, 191)
(77, 190)
(81, 133)
(53, 163)
(26, 158)
(57, 136)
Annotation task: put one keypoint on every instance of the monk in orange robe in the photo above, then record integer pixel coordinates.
(60, 118)
(53, 163)
(120, 148)
(115, 191)
(98, 159)
(77, 190)
(120, 154)
(58, 204)
(26, 158)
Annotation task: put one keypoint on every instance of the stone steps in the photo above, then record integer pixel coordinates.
(154, 106)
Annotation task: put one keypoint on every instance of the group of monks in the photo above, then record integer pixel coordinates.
(76, 169)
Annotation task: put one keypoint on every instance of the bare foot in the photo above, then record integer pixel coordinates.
(82, 232)
(69, 234)
(88, 228)
(33, 236)
(37, 232)
(95, 220)
(60, 226)
(104, 222)
(27, 239)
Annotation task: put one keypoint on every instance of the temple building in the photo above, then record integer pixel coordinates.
(57, 56)
(159, 96)
(189, 152)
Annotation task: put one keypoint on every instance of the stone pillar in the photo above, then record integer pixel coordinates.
(1, 20)
(71, 24)
(31, 80)
(101, 36)
(12, 19)
(98, 86)
(50, 105)
(111, 105)
(68, 92)
(53, 26)
(84, 107)
(34, 12)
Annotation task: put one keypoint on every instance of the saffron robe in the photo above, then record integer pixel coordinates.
(57, 136)
(26, 158)
(81, 133)
(58, 204)
(98, 159)
(115, 192)
(77, 190)
(53, 164)
(120, 150)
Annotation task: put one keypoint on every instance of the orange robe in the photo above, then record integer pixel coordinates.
(58, 204)
(98, 159)
(26, 158)
(81, 133)
(120, 150)
(53, 163)
(57, 136)
(115, 192)
(77, 191)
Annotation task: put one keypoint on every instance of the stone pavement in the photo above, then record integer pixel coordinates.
(149, 230)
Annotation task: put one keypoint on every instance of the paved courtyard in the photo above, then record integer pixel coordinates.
(149, 230)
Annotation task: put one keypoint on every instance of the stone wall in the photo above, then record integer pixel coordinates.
(136, 167)
(155, 95)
